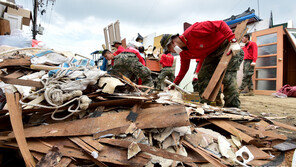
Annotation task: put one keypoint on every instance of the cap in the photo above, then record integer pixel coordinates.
(116, 42)
(166, 40)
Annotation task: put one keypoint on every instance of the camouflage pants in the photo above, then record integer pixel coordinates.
(128, 65)
(231, 96)
(248, 73)
(165, 72)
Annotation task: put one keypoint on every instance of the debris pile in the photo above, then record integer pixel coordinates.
(62, 112)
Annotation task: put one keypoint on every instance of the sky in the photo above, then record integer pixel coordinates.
(77, 25)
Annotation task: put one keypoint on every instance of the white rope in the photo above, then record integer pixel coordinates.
(54, 96)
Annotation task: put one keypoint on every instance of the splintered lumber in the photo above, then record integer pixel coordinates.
(157, 117)
(254, 132)
(214, 85)
(15, 62)
(15, 114)
(22, 82)
(52, 158)
(107, 154)
(229, 128)
(204, 154)
(42, 148)
(284, 125)
(223, 116)
(151, 150)
(91, 151)
(65, 161)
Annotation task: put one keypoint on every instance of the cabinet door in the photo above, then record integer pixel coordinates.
(268, 75)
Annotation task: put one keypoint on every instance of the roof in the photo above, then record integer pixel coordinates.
(248, 14)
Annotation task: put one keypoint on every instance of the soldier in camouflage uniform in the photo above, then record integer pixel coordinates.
(127, 64)
(230, 83)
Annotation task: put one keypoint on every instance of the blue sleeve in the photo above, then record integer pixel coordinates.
(104, 65)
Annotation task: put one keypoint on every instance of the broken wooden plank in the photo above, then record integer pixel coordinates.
(151, 150)
(15, 113)
(92, 152)
(214, 83)
(254, 132)
(208, 157)
(90, 141)
(258, 154)
(223, 116)
(159, 117)
(229, 128)
(65, 161)
(52, 158)
(15, 62)
(284, 125)
(22, 82)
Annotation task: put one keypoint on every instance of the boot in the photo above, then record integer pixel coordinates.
(250, 93)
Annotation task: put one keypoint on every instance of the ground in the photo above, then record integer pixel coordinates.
(269, 106)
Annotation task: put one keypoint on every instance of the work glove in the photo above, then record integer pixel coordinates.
(234, 48)
(253, 64)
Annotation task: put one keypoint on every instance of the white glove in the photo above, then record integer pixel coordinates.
(234, 47)
(253, 64)
(195, 75)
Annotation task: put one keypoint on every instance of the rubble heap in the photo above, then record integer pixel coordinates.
(60, 112)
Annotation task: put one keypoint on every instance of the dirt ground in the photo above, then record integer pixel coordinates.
(269, 106)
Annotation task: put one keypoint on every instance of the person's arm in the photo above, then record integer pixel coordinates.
(255, 51)
(208, 27)
(185, 63)
(199, 66)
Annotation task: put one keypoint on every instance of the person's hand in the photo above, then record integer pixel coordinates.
(171, 86)
(253, 64)
(234, 48)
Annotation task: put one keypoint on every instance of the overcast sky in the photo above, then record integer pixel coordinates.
(77, 25)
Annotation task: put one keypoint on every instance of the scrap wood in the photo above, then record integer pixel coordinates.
(158, 117)
(255, 132)
(22, 82)
(151, 150)
(17, 126)
(40, 147)
(90, 150)
(65, 161)
(15, 62)
(258, 154)
(284, 125)
(223, 116)
(52, 158)
(208, 157)
(214, 85)
(231, 129)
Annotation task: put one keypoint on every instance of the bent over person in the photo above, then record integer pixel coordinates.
(127, 64)
(207, 41)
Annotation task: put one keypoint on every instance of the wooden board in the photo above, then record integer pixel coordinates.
(208, 157)
(214, 83)
(22, 82)
(158, 117)
(15, 62)
(15, 113)
(151, 150)
(229, 128)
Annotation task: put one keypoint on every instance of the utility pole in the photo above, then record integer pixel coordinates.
(35, 19)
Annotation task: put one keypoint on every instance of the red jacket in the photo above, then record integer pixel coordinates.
(201, 39)
(251, 51)
(167, 60)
